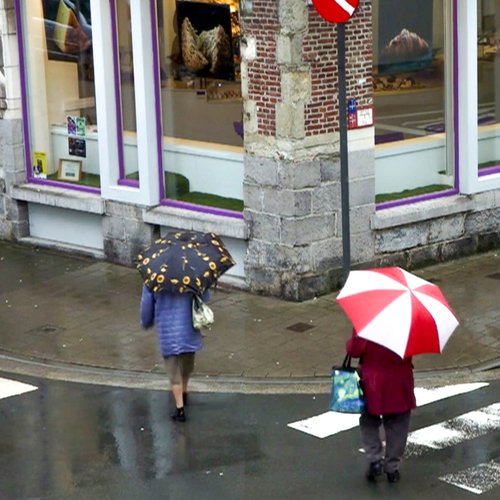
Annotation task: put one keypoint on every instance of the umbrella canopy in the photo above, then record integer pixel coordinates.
(184, 261)
(398, 310)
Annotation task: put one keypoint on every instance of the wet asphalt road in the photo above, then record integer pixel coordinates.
(77, 441)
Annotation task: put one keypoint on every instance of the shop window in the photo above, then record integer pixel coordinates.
(60, 93)
(127, 124)
(488, 68)
(201, 103)
(412, 102)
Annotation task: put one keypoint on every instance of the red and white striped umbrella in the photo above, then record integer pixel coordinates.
(398, 310)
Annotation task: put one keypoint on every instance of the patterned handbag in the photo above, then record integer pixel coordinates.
(347, 392)
(203, 316)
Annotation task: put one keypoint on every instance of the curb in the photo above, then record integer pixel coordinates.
(85, 374)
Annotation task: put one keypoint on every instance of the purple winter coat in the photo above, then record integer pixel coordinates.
(387, 379)
(172, 315)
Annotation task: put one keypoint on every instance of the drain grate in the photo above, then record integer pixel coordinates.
(494, 276)
(299, 327)
(47, 329)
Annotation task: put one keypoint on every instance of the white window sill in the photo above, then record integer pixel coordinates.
(418, 212)
(197, 221)
(60, 197)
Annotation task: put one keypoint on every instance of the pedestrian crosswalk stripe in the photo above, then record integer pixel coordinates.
(478, 479)
(454, 431)
(331, 422)
(10, 388)
(427, 396)
(326, 424)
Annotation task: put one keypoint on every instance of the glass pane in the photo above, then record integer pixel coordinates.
(129, 161)
(201, 102)
(488, 69)
(410, 98)
(61, 93)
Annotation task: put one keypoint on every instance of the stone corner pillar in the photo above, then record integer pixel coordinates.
(292, 167)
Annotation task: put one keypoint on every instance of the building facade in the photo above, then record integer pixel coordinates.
(123, 119)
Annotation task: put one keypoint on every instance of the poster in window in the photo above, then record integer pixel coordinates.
(206, 42)
(39, 164)
(81, 126)
(77, 147)
(68, 29)
(405, 35)
(71, 125)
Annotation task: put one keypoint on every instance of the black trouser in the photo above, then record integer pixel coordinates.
(396, 428)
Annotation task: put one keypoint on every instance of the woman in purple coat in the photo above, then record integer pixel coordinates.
(178, 339)
(389, 396)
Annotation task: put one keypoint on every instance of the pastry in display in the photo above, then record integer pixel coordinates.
(69, 36)
(193, 57)
(392, 82)
(215, 46)
(405, 46)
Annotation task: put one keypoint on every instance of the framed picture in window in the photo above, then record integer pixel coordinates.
(69, 170)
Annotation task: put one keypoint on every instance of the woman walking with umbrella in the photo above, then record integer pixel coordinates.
(389, 395)
(395, 316)
(175, 269)
(177, 338)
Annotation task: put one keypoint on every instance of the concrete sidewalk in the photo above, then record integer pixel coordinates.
(76, 311)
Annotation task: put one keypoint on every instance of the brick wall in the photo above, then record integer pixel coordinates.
(320, 55)
(320, 52)
(264, 87)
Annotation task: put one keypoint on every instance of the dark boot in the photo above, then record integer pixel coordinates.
(178, 415)
(393, 477)
(375, 469)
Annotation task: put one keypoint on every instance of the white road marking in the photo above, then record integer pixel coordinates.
(426, 396)
(477, 479)
(330, 423)
(10, 388)
(346, 6)
(326, 424)
(454, 431)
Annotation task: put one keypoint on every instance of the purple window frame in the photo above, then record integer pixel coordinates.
(25, 114)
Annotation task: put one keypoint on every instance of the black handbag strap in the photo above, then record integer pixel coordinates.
(347, 362)
(346, 365)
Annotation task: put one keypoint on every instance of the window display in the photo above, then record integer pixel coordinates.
(488, 68)
(412, 118)
(60, 91)
(201, 102)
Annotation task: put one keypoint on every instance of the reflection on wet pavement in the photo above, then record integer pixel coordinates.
(64, 441)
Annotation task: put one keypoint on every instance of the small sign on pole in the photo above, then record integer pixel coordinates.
(339, 12)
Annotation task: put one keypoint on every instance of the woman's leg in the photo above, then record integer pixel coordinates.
(173, 365)
(177, 393)
(187, 370)
(396, 431)
(370, 436)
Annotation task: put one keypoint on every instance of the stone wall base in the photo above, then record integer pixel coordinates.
(292, 287)
(125, 233)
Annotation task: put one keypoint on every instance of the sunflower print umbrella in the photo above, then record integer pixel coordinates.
(184, 262)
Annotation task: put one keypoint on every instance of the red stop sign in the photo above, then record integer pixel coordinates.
(336, 11)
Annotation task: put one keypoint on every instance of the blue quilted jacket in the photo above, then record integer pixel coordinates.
(172, 315)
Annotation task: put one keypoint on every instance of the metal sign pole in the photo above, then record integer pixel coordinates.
(344, 165)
